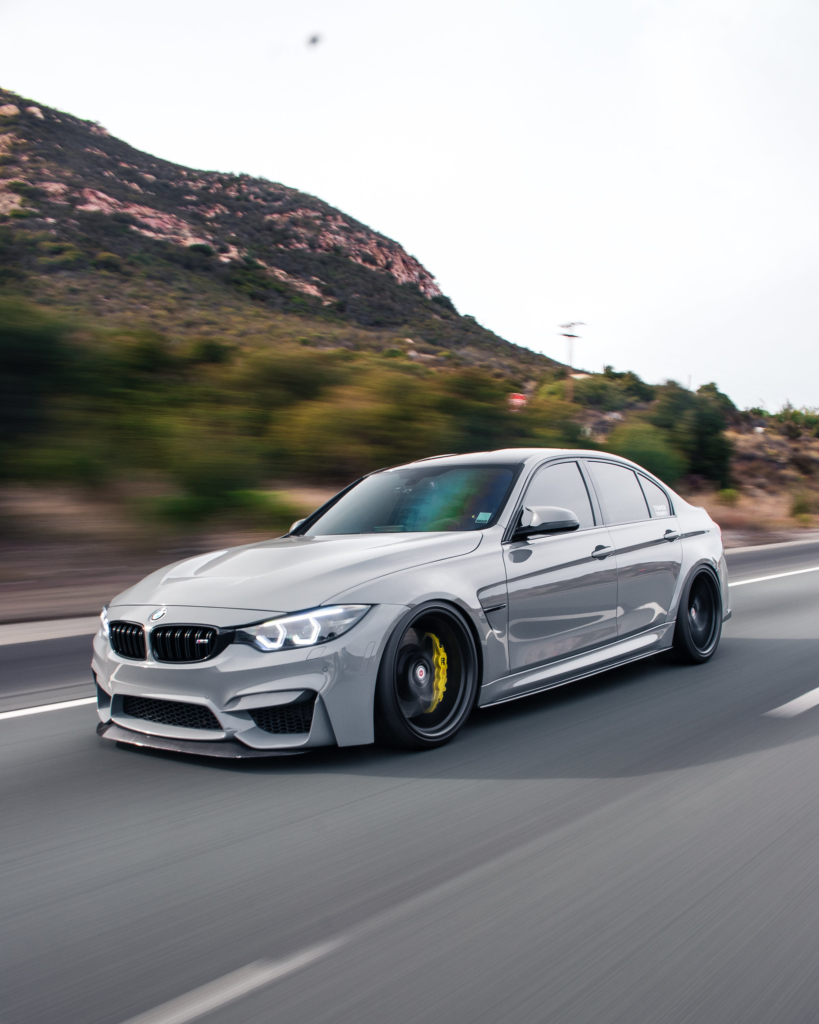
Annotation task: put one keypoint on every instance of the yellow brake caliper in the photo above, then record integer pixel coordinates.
(439, 680)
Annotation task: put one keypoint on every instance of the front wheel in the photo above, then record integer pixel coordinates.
(427, 680)
(699, 620)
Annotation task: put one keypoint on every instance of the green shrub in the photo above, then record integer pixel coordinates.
(35, 362)
(599, 393)
(209, 350)
(801, 505)
(631, 385)
(649, 447)
(266, 510)
(351, 430)
(65, 260)
(76, 462)
(144, 353)
(108, 261)
(209, 466)
(24, 189)
(728, 496)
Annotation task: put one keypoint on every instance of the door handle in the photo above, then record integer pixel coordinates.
(602, 551)
(671, 535)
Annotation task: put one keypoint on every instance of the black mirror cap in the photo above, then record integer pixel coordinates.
(545, 519)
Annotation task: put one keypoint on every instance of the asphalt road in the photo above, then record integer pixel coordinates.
(45, 672)
(641, 847)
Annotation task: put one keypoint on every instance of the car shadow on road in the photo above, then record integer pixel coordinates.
(649, 717)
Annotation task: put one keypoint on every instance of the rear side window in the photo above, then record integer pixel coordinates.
(619, 492)
(658, 504)
(563, 487)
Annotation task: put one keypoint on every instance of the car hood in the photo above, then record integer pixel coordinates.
(291, 573)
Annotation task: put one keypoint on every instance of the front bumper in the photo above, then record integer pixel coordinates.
(338, 676)
(220, 748)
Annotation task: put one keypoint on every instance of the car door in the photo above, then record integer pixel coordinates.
(644, 531)
(562, 588)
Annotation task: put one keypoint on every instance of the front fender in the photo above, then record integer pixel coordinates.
(455, 581)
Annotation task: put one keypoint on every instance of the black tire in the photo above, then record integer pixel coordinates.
(699, 619)
(427, 681)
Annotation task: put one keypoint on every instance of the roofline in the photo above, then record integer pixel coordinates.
(520, 456)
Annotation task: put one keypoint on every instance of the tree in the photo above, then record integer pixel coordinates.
(696, 425)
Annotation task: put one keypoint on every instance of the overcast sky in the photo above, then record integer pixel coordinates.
(646, 166)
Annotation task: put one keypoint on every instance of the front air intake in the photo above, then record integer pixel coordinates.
(285, 718)
(170, 712)
(183, 643)
(128, 640)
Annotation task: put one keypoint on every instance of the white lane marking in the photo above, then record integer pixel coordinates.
(230, 987)
(797, 705)
(21, 712)
(52, 629)
(776, 576)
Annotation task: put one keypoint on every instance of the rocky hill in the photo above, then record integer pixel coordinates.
(78, 206)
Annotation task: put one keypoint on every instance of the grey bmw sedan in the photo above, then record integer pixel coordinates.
(410, 598)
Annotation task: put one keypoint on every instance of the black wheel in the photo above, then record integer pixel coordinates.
(699, 620)
(427, 681)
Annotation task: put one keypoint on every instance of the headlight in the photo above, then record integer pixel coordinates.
(104, 627)
(303, 630)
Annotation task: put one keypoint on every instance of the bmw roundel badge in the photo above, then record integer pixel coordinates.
(158, 614)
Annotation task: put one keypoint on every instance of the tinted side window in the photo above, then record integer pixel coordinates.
(563, 487)
(658, 503)
(620, 493)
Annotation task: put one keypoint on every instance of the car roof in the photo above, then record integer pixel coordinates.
(510, 456)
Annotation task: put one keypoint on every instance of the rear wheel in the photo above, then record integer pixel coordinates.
(699, 620)
(427, 680)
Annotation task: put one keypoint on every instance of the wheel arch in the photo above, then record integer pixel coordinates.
(465, 612)
(686, 648)
(685, 580)
(391, 725)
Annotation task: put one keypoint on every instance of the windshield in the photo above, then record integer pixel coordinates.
(419, 499)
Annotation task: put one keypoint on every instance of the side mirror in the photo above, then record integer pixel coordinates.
(545, 519)
(293, 526)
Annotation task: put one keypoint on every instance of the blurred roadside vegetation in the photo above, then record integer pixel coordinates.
(671, 431)
(203, 426)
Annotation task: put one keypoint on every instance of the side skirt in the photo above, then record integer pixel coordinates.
(570, 670)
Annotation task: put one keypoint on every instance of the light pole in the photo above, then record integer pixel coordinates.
(566, 331)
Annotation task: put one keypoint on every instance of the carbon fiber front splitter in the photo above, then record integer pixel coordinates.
(221, 748)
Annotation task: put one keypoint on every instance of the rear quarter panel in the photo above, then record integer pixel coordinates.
(702, 545)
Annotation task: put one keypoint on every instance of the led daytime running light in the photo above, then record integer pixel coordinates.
(305, 629)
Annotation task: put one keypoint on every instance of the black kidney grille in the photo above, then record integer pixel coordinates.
(170, 712)
(285, 718)
(183, 643)
(128, 640)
